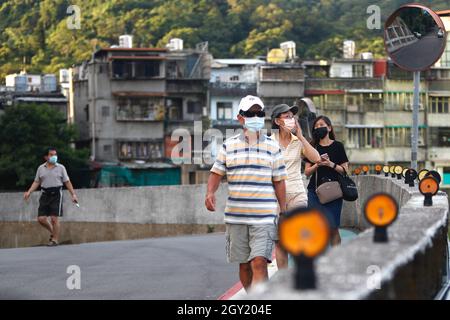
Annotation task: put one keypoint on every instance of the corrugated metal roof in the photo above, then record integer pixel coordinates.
(239, 61)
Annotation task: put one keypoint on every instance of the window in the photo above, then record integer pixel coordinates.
(234, 78)
(107, 149)
(365, 138)
(140, 109)
(439, 104)
(224, 111)
(146, 69)
(440, 137)
(105, 111)
(445, 58)
(402, 101)
(143, 150)
(86, 110)
(123, 69)
(194, 107)
(401, 137)
(334, 101)
(359, 71)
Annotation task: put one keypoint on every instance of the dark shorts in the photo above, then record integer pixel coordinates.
(50, 204)
(332, 209)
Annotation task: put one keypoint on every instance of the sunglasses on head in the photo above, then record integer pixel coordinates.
(251, 114)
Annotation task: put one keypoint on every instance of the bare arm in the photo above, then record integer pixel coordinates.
(33, 188)
(310, 169)
(309, 151)
(340, 167)
(69, 187)
(213, 184)
(280, 192)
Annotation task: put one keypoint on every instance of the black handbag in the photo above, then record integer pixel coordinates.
(348, 187)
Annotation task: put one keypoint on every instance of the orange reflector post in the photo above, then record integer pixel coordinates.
(304, 233)
(428, 186)
(365, 169)
(434, 174)
(378, 168)
(381, 210)
(392, 171)
(422, 174)
(404, 171)
(398, 171)
(410, 176)
(386, 171)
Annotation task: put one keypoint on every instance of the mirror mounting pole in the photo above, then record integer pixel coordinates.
(415, 124)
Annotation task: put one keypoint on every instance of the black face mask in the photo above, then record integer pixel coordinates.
(320, 133)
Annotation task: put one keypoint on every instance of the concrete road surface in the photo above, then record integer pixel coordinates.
(187, 267)
(420, 53)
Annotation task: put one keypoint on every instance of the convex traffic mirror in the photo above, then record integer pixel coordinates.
(414, 37)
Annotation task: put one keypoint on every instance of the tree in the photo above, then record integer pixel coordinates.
(26, 131)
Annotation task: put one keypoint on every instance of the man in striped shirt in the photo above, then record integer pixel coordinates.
(255, 170)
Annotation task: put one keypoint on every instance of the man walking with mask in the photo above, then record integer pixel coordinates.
(51, 176)
(255, 172)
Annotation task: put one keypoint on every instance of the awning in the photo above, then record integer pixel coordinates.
(423, 126)
(40, 99)
(365, 90)
(439, 93)
(136, 58)
(362, 126)
(312, 92)
(138, 94)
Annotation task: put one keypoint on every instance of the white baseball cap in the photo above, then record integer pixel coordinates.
(249, 101)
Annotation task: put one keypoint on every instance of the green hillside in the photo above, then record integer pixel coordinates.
(34, 34)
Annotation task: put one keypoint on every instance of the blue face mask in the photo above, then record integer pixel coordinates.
(53, 159)
(254, 124)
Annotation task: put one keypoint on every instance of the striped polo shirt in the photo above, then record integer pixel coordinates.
(250, 170)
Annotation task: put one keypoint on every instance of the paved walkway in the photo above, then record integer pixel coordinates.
(188, 267)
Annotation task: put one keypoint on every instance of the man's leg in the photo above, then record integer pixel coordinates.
(259, 270)
(43, 221)
(245, 275)
(56, 227)
(281, 256)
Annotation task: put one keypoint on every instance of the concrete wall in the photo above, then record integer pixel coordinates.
(114, 214)
(411, 266)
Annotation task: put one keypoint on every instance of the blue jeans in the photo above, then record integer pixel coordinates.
(332, 210)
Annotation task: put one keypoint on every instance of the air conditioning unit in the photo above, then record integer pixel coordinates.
(409, 107)
(352, 108)
(420, 142)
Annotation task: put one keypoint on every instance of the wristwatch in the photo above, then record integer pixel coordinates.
(335, 165)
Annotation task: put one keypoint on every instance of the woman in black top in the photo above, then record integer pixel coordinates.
(333, 161)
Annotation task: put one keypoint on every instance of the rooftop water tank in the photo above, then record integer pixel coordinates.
(49, 83)
(126, 41)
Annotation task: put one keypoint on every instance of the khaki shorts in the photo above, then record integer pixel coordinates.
(294, 200)
(246, 242)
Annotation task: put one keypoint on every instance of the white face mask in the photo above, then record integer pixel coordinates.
(254, 124)
(289, 123)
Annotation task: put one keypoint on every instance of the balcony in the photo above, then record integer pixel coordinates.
(232, 89)
(312, 84)
(140, 109)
